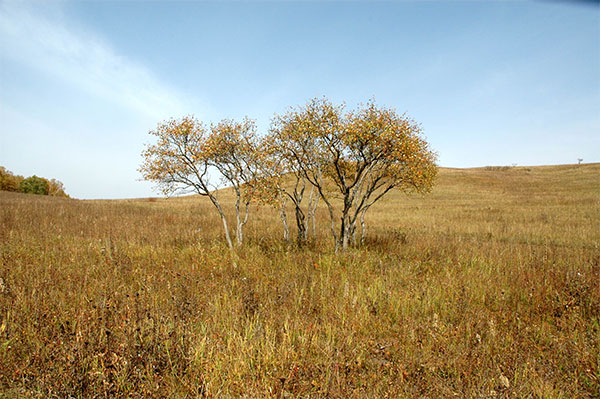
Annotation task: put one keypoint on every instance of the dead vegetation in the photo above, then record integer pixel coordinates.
(487, 288)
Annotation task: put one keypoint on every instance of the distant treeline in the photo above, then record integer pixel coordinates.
(30, 185)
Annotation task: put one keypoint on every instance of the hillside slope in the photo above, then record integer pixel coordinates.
(488, 287)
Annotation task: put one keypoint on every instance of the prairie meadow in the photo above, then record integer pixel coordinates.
(489, 287)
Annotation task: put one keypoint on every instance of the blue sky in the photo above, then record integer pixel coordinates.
(492, 83)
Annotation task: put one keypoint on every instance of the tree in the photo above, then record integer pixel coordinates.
(365, 153)
(31, 185)
(35, 185)
(56, 188)
(188, 157)
(9, 181)
(233, 150)
(289, 184)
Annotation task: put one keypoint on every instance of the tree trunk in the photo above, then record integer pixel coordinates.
(217, 205)
(283, 216)
(345, 232)
(238, 230)
(239, 235)
(363, 227)
(335, 236)
(313, 200)
(240, 224)
(314, 220)
(353, 233)
(346, 227)
(331, 216)
(226, 228)
(346, 239)
(301, 238)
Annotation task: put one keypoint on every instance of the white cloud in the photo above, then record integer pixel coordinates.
(85, 61)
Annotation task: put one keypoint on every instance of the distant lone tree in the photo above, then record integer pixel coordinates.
(35, 185)
(579, 161)
(364, 153)
(189, 157)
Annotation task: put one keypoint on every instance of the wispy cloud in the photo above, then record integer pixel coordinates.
(85, 61)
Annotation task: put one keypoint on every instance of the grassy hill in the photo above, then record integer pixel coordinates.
(487, 288)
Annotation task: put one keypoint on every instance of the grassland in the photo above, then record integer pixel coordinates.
(487, 288)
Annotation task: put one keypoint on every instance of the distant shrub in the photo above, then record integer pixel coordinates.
(498, 168)
(35, 185)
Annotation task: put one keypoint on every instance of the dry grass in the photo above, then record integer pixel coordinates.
(488, 288)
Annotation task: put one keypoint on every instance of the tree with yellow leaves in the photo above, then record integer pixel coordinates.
(365, 153)
(188, 157)
(287, 183)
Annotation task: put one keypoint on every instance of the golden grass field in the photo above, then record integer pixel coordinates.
(486, 288)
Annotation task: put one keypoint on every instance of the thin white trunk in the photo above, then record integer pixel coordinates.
(226, 228)
(363, 227)
(240, 228)
(217, 205)
(238, 222)
(313, 200)
(314, 220)
(283, 216)
(225, 225)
